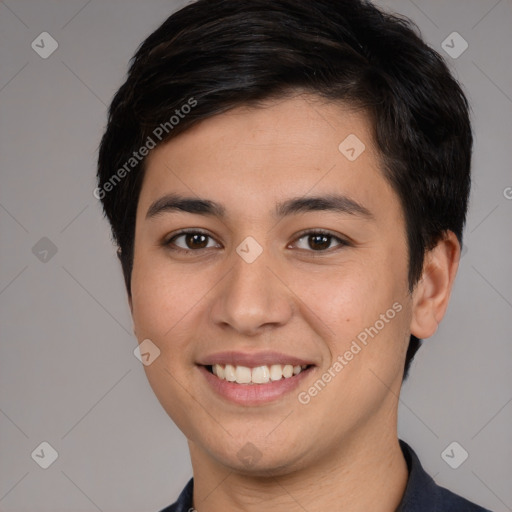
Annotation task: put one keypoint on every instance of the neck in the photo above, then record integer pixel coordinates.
(368, 472)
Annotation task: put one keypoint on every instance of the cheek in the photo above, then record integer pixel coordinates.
(160, 298)
(345, 298)
(163, 304)
(363, 303)
(152, 299)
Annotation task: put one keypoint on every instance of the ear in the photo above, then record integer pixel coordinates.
(432, 292)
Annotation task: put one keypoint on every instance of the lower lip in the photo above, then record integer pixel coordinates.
(254, 394)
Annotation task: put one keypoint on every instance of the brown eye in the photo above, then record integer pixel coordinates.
(190, 241)
(196, 241)
(318, 241)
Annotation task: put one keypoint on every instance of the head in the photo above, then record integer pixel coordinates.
(247, 103)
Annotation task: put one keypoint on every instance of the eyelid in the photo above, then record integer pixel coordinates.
(343, 241)
(167, 241)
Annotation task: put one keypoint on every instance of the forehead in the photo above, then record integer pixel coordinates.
(298, 126)
(250, 158)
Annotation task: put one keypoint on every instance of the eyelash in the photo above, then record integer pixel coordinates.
(168, 243)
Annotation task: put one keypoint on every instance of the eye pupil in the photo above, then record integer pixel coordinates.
(196, 240)
(318, 242)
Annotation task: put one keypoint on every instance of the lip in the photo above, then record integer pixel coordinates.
(253, 360)
(254, 394)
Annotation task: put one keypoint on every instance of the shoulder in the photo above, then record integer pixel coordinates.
(184, 501)
(451, 502)
(422, 494)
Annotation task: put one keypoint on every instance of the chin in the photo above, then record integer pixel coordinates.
(254, 461)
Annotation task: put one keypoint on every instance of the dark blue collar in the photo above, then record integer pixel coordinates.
(422, 494)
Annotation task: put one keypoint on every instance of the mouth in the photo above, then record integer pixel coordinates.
(258, 375)
(254, 379)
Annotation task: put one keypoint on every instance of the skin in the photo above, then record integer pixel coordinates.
(340, 451)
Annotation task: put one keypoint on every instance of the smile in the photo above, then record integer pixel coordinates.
(245, 391)
(258, 375)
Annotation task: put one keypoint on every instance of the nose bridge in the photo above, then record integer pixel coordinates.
(252, 296)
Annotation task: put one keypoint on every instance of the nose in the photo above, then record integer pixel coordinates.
(252, 298)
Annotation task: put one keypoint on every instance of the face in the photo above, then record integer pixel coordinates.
(272, 253)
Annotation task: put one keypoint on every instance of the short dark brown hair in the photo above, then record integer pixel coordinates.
(226, 53)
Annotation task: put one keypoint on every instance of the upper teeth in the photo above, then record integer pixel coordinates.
(258, 375)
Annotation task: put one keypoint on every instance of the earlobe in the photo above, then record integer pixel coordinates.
(432, 292)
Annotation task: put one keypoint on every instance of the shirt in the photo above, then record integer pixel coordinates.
(422, 494)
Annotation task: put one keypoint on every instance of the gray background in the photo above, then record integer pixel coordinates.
(68, 374)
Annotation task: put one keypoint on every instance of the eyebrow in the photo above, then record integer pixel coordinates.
(331, 202)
